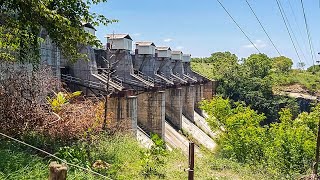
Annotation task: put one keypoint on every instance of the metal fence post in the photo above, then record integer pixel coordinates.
(191, 161)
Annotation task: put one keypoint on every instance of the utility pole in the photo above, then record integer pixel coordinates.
(106, 97)
(191, 161)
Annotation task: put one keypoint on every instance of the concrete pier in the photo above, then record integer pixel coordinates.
(144, 63)
(198, 97)
(209, 89)
(188, 99)
(151, 113)
(174, 107)
(177, 68)
(122, 111)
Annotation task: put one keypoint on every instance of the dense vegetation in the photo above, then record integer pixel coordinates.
(284, 149)
(255, 126)
(280, 73)
(21, 22)
(254, 79)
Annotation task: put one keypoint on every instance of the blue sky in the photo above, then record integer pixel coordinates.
(202, 27)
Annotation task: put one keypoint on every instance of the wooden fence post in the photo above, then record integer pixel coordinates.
(57, 171)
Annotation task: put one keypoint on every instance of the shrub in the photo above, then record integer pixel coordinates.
(153, 160)
(22, 95)
(286, 147)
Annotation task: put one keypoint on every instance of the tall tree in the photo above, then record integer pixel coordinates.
(22, 20)
(258, 65)
(282, 64)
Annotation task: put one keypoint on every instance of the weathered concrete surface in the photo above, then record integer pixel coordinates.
(188, 96)
(177, 68)
(200, 136)
(198, 97)
(208, 90)
(190, 72)
(84, 68)
(151, 114)
(122, 110)
(50, 54)
(174, 107)
(203, 125)
(122, 64)
(82, 75)
(177, 140)
(162, 66)
(144, 139)
(145, 64)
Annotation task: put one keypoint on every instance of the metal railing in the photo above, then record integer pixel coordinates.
(88, 83)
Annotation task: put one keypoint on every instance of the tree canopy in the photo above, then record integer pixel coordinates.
(258, 65)
(21, 22)
(282, 64)
(250, 82)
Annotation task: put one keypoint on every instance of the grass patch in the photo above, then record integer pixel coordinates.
(123, 154)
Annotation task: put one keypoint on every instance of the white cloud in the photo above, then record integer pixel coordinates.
(168, 40)
(179, 47)
(136, 34)
(258, 43)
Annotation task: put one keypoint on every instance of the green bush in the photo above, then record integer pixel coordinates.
(285, 148)
(153, 160)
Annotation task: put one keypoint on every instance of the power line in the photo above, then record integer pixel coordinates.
(293, 34)
(298, 27)
(51, 155)
(238, 25)
(263, 28)
(285, 23)
(308, 32)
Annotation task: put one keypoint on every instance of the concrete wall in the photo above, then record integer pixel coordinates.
(198, 97)
(122, 63)
(163, 65)
(188, 98)
(209, 89)
(151, 112)
(50, 55)
(83, 68)
(174, 107)
(122, 110)
(145, 64)
(187, 70)
(178, 68)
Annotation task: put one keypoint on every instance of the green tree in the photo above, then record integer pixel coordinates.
(314, 68)
(21, 22)
(258, 65)
(285, 148)
(282, 64)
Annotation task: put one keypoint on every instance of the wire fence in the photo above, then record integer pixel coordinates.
(54, 156)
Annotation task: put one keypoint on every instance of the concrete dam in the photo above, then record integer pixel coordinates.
(150, 89)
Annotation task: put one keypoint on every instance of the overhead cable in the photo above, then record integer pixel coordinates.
(285, 23)
(238, 25)
(263, 28)
(308, 32)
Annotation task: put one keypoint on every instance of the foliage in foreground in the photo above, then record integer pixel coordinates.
(21, 22)
(283, 148)
(120, 156)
